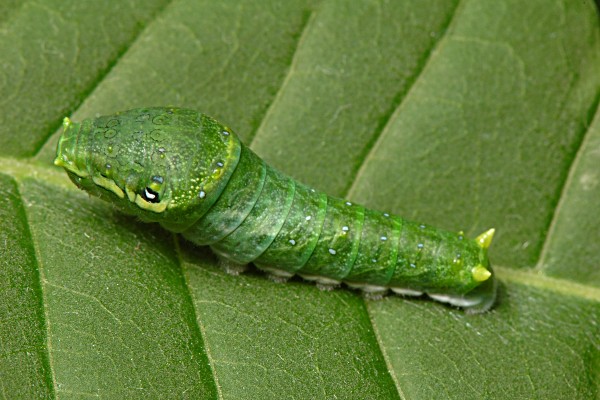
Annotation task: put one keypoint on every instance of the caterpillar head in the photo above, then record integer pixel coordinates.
(164, 165)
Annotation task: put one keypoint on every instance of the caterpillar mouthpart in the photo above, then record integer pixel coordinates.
(66, 156)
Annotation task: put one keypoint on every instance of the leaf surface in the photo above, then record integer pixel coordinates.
(461, 114)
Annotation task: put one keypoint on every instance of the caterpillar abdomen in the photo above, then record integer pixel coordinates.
(234, 204)
(186, 171)
(296, 241)
(258, 230)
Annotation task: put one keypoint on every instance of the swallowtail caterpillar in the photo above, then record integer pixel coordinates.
(193, 176)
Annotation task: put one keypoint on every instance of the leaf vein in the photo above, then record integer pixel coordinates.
(290, 73)
(198, 322)
(44, 299)
(399, 103)
(567, 183)
(100, 78)
(371, 148)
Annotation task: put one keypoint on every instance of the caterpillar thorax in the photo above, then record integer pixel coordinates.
(191, 174)
(162, 164)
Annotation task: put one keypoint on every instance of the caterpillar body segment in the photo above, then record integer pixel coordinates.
(192, 175)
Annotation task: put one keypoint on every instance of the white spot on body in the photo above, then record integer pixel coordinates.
(383, 238)
(332, 252)
(348, 203)
(386, 215)
(345, 228)
(420, 245)
(202, 194)
(292, 242)
(220, 164)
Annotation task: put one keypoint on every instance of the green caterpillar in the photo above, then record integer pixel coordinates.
(192, 175)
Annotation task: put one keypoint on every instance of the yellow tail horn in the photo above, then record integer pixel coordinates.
(485, 239)
(480, 273)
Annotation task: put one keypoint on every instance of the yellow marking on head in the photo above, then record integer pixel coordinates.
(480, 273)
(485, 239)
(60, 162)
(130, 194)
(108, 185)
(155, 186)
(67, 123)
(156, 207)
(70, 166)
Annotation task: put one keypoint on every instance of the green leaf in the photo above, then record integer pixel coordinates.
(462, 114)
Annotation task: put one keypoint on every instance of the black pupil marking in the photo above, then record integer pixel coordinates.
(150, 195)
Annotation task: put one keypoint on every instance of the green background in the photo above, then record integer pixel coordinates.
(463, 114)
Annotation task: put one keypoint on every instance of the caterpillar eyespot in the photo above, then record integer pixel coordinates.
(192, 175)
(150, 195)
